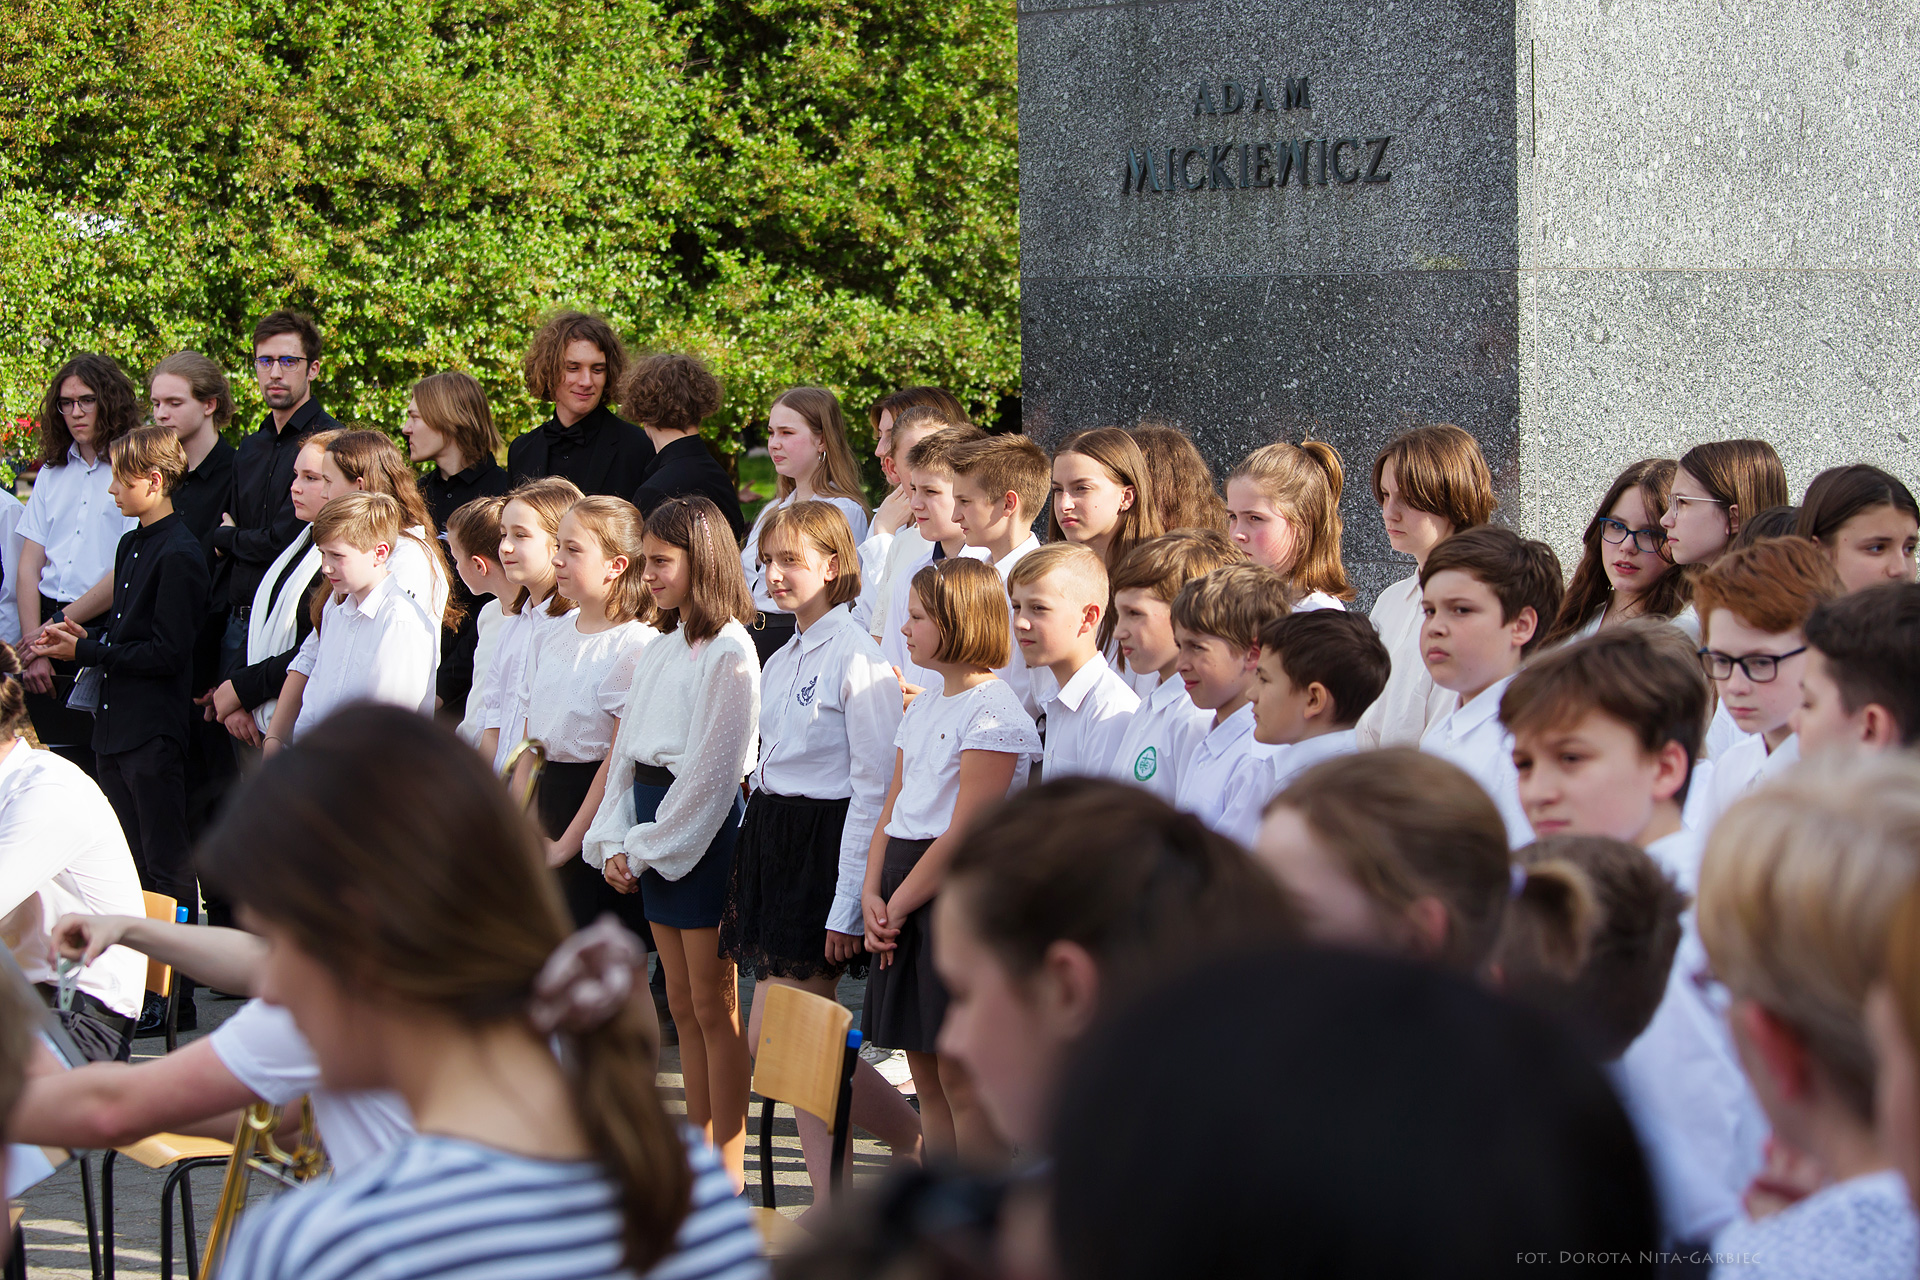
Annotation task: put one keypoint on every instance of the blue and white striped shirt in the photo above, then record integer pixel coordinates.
(448, 1209)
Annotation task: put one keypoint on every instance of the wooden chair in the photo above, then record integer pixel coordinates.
(807, 1052)
(160, 976)
(180, 1155)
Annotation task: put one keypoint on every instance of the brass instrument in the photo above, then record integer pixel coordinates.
(289, 1168)
(526, 746)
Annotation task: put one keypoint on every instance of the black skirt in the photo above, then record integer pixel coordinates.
(906, 1001)
(563, 789)
(785, 869)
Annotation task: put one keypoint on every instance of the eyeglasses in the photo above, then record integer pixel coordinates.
(264, 363)
(1616, 532)
(65, 406)
(1677, 504)
(1761, 668)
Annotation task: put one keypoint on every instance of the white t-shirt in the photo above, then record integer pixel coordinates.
(933, 733)
(264, 1049)
(750, 554)
(1411, 701)
(1473, 738)
(578, 685)
(503, 695)
(1086, 719)
(71, 515)
(1159, 738)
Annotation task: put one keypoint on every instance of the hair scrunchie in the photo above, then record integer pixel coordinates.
(588, 979)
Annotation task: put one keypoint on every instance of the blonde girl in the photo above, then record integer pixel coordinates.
(666, 826)
(529, 539)
(577, 687)
(1283, 508)
(1103, 494)
(958, 752)
(807, 441)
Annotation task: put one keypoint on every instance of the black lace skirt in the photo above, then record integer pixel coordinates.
(785, 868)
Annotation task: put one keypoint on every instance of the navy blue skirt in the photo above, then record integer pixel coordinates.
(698, 899)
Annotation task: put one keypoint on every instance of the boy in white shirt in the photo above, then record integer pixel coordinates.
(1488, 595)
(884, 556)
(1167, 727)
(374, 643)
(1605, 734)
(1000, 485)
(1059, 598)
(1216, 623)
(1798, 891)
(1318, 672)
(930, 500)
(1860, 689)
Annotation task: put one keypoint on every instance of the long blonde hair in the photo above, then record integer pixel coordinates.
(837, 474)
(1303, 481)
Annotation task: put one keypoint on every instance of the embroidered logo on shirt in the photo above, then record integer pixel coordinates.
(806, 694)
(1145, 764)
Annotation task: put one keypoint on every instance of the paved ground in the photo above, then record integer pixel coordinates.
(55, 1220)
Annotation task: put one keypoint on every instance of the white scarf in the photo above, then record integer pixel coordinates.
(274, 622)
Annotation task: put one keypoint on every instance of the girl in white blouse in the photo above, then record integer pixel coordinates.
(582, 667)
(1283, 509)
(529, 539)
(807, 441)
(958, 751)
(666, 825)
(829, 709)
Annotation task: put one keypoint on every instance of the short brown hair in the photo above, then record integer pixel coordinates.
(476, 527)
(206, 382)
(825, 527)
(717, 592)
(1405, 825)
(616, 525)
(925, 419)
(1797, 890)
(1593, 944)
(1007, 464)
(1871, 643)
(968, 604)
(1643, 674)
(547, 353)
(1161, 566)
(935, 452)
(1773, 585)
(361, 520)
(1838, 494)
(670, 391)
(1522, 573)
(898, 402)
(454, 405)
(1338, 650)
(298, 323)
(1440, 470)
(144, 450)
(1074, 559)
(1233, 603)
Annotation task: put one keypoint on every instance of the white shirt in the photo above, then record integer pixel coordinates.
(1723, 733)
(1740, 768)
(59, 839)
(382, 649)
(829, 710)
(578, 685)
(1682, 1083)
(933, 733)
(1473, 738)
(418, 572)
(503, 694)
(12, 511)
(750, 554)
(72, 516)
(692, 710)
(487, 622)
(1086, 719)
(1218, 771)
(874, 553)
(1159, 738)
(1411, 701)
(265, 1051)
(1015, 673)
(1316, 600)
(1860, 1229)
(1269, 777)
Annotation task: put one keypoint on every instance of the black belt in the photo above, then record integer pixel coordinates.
(652, 775)
(242, 611)
(803, 802)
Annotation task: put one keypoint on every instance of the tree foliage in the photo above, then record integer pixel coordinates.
(799, 190)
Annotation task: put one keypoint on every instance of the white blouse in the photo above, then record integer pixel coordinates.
(933, 733)
(503, 693)
(692, 709)
(829, 709)
(73, 518)
(1317, 600)
(420, 573)
(750, 554)
(578, 684)
(382, 649)
(1411, 702)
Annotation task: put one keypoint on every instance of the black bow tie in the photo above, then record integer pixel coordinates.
(557, 434)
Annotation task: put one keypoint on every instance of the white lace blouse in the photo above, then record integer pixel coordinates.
(692, 710)
(578, 685)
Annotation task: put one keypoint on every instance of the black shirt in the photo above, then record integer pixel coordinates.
(686, 468)
(199, 500)
(261, 506)
(601, 453)
(160, 585)
(445, 495)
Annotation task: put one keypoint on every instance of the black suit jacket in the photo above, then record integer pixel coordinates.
(686, 468)
(160, 585)
(601, 453)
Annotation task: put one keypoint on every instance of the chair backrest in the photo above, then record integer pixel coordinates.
(160, 907)
(803, 1040)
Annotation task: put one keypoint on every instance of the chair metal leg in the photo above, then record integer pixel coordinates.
(172, 1023)
(17, 1260)
(766, 1152)
(93, 1225)
(843, 1115)
(106, 1214)
(166, 1229)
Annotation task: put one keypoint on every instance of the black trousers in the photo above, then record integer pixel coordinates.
(65, 732)
(147, 788)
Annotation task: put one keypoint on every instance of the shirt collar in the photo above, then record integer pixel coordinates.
(100, 458)
(1483, 708)
(299, 424)
(144, 531)
(1311, 751)
(1083, 683)
(1166, 691)
(475, 473)
(825, 627)
(1017, 554)
(377, 598)
(1235, 727)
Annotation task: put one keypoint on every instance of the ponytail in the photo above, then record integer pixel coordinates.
(635, 1140)
(1304, 482)
(13, 694)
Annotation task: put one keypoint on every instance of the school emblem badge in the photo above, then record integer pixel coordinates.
(1145, 764)
(806, 694)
